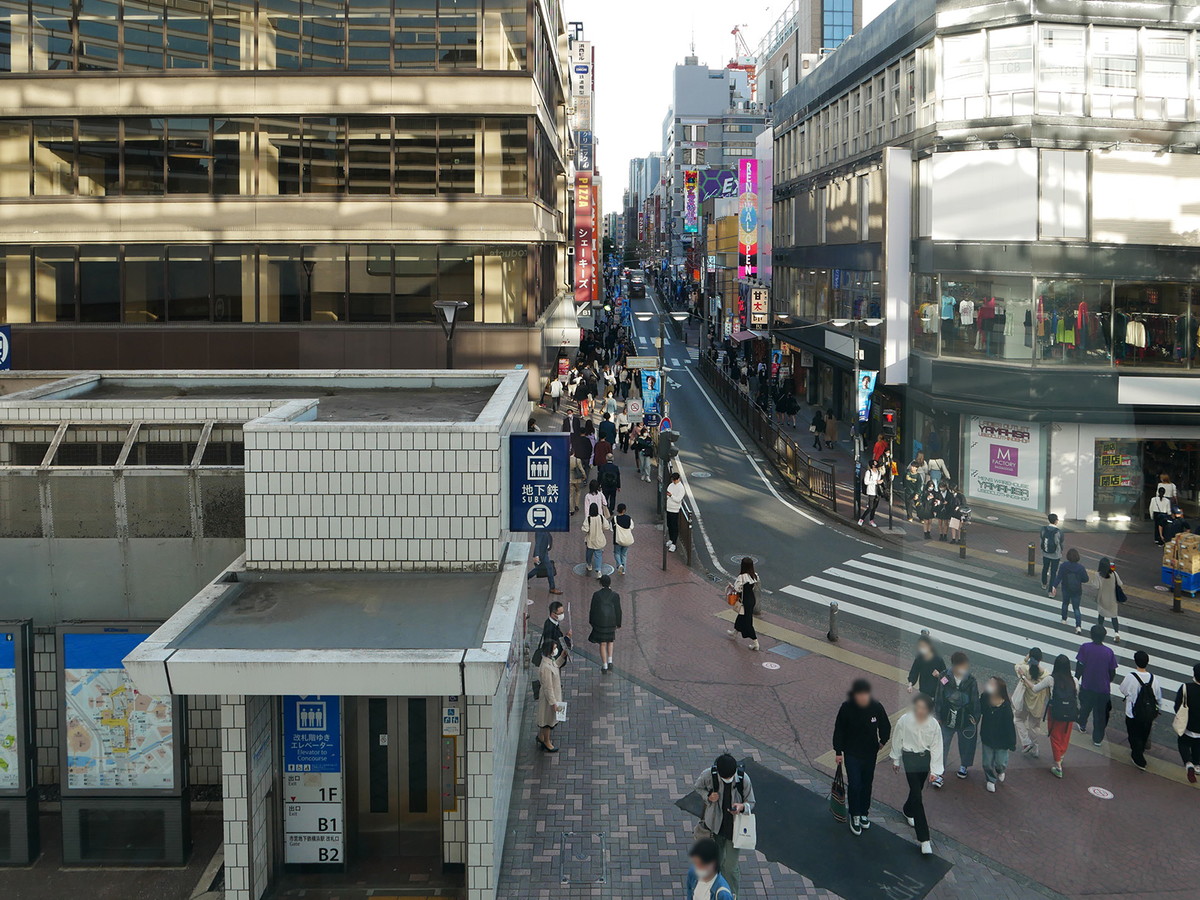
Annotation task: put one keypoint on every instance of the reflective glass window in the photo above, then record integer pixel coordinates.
(99, 157)
(234, 285)
(458, 34)
(143, 35)
(370, 155)
(53, 44)
(279, 34)
(187, 36)
(323, 159)
(53, 157)
(1072, 322)
(1153, 325)
(98, 43)
(189, 284)
(14, 158)
(370, 34)
(54, 284)
(283, 284)
(987, 318)
(323, 35)
(145, 283)
(189, 156)
(233, 156)
(1114, 72)
(415, 42)
(416, 155)
(99, 284)
(505, 27)
(460, 277)
(279, 156)
(416, 277)
(14, 23)
(1061, 69)
(16, 285)
(232, 31)
(145, 156)
(370, 284)
(324, 267)
(457, 155)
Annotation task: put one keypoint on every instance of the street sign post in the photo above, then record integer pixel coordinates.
(641, 362)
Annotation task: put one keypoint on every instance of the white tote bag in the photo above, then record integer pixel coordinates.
(560, 714)
(745, 832)
(1179, 723)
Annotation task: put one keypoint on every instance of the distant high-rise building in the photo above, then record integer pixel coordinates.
(800, 37)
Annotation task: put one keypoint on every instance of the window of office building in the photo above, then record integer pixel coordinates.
(1010, 71)
(96, 32)
(1061, 69)
(53, 282)
(1165, 75)
(1114, 72)
(837, 22)
(962, 76)
(16, 300)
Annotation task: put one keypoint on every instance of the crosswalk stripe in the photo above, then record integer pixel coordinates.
(1042, 611)
(1146, 628)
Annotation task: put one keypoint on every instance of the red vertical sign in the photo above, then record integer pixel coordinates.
(585, 224)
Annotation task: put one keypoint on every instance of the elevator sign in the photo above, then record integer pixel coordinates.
(539, 482)
(313, 793)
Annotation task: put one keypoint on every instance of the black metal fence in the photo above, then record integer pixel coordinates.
(809, 476)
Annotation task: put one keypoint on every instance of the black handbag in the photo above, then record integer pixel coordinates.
(1121, 598)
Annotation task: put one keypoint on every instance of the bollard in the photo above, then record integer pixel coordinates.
(1177, 591)
(1032, 562)
(832, 634)
(962, 545)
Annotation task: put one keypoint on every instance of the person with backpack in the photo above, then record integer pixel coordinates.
(1029, 700)
(609, 476)
(622, 537)
(727, 791)
(1051, 540)
(997, 731)
(1061, 712)
(1188, 696)
(1142, 702)
(704, 881)
(956, 707)
(1071, 578)
(861, 729)
(917, 748)
(594, 526)
(1110, 592)
(1095, 666)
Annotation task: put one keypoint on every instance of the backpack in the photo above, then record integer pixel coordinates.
(739, 781)
(1145, 705)
(1049, 539)
(1063, 707)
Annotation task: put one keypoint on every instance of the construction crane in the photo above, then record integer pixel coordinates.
(744, 60)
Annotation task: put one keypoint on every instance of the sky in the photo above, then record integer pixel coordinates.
(637, 45)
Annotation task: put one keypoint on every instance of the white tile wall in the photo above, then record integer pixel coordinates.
(247, 773)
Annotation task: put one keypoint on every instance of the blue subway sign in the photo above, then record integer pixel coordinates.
(539, 482)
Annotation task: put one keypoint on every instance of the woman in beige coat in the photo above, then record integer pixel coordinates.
(594, 527)
(550, 699)
(831, 430)
(1106, 595)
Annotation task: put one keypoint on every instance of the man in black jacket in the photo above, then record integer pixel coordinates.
(956, 707)
(552, 629)
(861, 729)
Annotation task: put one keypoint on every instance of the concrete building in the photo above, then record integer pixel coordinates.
(803, 34)
(1004, 185)
(335, 169)
(320, 609)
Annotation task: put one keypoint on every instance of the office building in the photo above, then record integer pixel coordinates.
(282, 184)
(1012, 189)
(804, 33)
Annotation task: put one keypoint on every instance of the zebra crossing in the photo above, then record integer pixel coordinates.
(984, 618)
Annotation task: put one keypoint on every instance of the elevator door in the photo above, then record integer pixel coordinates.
(395, 788)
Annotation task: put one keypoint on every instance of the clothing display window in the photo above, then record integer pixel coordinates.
(1069, 320)
(1153, 325)
(927, 314)
(985, 318)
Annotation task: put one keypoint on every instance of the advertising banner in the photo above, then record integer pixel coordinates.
(584, 145)
(313, 795)
(760, 306)
(581, 69)
(862, 394)
(691, 210)
(1005, 462)
(539, 482)
(585, 224)
(12, 737)
(718, 183)
(651, 390)
(747, 218)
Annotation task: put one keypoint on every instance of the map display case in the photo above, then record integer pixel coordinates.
(19, 844)
(123, 759)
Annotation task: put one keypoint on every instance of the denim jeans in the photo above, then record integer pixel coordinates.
(860, 778)
(595, 559)
(995, 762)
(966, 747)
(644, 465)
(1074, 602)
(619, 554)
(1049, 570)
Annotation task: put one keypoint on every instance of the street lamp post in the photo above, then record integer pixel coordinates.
(843, 323)
(447, 316)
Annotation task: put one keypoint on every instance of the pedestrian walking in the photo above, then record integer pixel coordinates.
(596, 495)
(704, 881)
(817, 427)
(746, 587)
(861, 729)
(578, 479)
(1110, 592)
(872, 486)
(1160, 514)
(624, 427)
(550, 699)
(1050, 539)
(543, 565)
(556, 392)
(1071, 578)
(1188, 696)
(604, 616)
(1143, 700)
(1029, 700)
(594, 526)
(609, 476)
(622, 537)
(925, 674)
(1062, 711)
(956, 706)
(727, 791)
(997, 731)
(603, 447)
(831, 429)
(607, 429)
(917, 748)
(581, 449)
(675, 495)
(643, 449)
(1095, 666)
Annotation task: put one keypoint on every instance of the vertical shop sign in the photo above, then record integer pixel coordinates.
(584, 228)
(313, 795)
(747, 218)
(691, 215)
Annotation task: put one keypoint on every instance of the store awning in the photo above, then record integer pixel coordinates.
(740, 336)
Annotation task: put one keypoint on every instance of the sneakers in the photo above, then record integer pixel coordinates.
(872, 524)
(1029, 749)
(912, 823)
(732, 632)
(926, 848)
(1097, 744)
(590, 569)
(1000, 776)
(1064, 621)
(937, 781)
(1081, 727)
(1056, 771)
(1141, 766)
(855, 825)
(1191, 774)
(865, 822)
(670, 546)
(991, 787)
(1117, 638)
(962, 772)
(1078, 630)
(754, 645)
(620, 570)
(860, 521)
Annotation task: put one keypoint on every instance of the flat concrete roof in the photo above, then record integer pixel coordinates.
(346, 611)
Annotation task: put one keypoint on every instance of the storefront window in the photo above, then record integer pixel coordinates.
(1152, 325)
(986, 318)
(370, 286)
(145, 288)
(926, 325)
(1072, 322)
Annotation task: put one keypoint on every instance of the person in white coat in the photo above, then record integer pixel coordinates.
(917, 749)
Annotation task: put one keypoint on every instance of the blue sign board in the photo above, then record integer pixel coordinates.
(539, 482)
(665, 424)
(651, 420)
(651, 389)
(312, 734)
(5, 348)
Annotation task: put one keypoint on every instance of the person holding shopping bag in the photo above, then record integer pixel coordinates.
(727, 791)
(861, 729)
(594, 527)
(622, 537)
(745, 586)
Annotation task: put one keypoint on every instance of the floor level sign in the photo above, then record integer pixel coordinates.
(313, 795)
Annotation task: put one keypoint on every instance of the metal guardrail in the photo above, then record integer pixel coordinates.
(811, 477)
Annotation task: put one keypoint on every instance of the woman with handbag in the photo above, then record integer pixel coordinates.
(917, 748)
(554, 657)
(1186, 723)
(1062, 711)
(745, 586)
(622, 537)
(1110, 591)
(594, 527)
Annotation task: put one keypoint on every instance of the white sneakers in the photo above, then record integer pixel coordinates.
(855, 825)
(620, 570)
(754, 645)
(1000, 776)
(912, 823)
(670, 546)
(991, 787)
(926, 848)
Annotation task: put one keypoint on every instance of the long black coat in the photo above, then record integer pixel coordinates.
(604, 616)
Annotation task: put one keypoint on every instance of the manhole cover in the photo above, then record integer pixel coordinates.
(700, 475)
(992, 518)
(583, 857)
(1102, 793)
(788, 651)
(738, 557)
(770, 665)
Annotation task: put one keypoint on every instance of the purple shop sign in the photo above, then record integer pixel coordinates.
(1002, 460)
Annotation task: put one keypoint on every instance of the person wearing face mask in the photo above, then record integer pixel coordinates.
(553, 659)
(956, 706)
(927, 669)
(704, 882)
(726, 790)
(862, 727)
(552, 630)
(997, 731)
(917, 748)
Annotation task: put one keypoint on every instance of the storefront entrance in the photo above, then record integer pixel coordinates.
(1128, 473)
